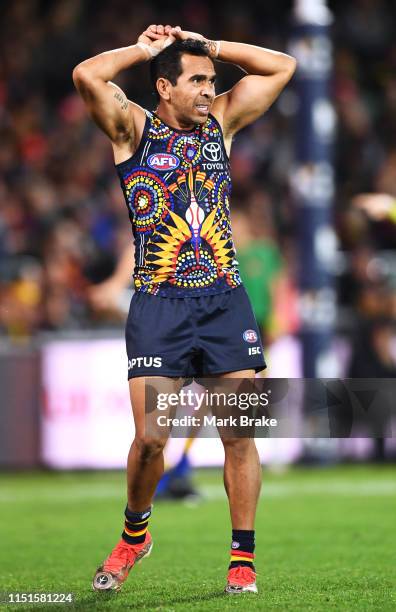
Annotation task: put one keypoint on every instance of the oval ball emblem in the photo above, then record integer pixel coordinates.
(250, 335)
(163, 161)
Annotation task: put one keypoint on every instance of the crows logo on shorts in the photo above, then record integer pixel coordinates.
(177, 188)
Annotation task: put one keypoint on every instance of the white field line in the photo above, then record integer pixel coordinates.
(75, 493)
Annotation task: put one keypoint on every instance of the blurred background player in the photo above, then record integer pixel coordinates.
(378, 206)
(107, 295)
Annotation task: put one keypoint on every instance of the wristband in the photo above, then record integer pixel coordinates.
(152, 51)
(392, 212)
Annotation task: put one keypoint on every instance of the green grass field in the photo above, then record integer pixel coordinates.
(326, 540)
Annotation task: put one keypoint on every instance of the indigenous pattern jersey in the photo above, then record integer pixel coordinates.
(177, 188)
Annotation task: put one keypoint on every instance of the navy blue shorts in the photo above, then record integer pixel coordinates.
(192, 336)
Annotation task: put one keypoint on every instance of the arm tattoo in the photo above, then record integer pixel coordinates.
(212, 48)
(121, 99)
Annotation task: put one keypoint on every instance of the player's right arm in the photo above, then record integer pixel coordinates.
(121, 119)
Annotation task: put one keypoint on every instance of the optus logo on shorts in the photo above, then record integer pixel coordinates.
(145, 362)
(250, 335)
(163, 161)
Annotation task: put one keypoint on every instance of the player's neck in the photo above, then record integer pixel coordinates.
(168, 116)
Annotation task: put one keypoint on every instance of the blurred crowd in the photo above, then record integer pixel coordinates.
(63, 221)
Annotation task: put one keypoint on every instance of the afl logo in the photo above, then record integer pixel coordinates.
(250, 335)
(163, 161)
(212, 151)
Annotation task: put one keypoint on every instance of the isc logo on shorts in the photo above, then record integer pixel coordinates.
(254, 350)
(145, 362)
(250, 335)
(163, 161)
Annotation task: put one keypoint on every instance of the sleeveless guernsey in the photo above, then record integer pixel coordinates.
(177, 188)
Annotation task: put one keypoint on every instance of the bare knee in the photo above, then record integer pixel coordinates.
(149, 448)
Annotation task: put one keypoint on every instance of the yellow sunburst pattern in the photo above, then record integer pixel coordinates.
(169, 245)
(212, 232)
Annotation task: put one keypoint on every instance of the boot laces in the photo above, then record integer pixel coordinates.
(241, 575)
(123, 555)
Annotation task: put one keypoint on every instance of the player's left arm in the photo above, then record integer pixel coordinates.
(268, 72)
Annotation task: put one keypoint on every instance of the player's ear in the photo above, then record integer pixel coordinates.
(164, 88)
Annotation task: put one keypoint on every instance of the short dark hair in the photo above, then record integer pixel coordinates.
(167, 64)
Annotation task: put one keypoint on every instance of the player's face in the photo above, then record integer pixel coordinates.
(193, 95)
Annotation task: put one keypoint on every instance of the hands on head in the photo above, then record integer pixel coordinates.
(156, 37)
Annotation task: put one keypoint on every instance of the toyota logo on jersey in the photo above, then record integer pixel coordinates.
(250, 335)
(212, 151)
(163, 161)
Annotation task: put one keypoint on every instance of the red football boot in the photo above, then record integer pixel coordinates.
(241, 579)
(111, 575)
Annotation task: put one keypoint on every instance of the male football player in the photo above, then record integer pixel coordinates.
(190, 315)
